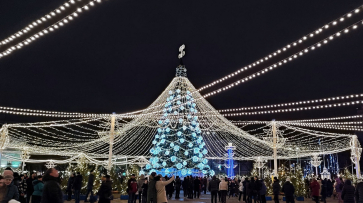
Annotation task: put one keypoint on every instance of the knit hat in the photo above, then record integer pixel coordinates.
(9, 177)
(8, 172)
(13, 201)
(288, 179)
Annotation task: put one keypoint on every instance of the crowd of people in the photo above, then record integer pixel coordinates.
(158, 189)
(22, 188)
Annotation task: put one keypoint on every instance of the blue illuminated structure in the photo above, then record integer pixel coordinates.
(230, 165)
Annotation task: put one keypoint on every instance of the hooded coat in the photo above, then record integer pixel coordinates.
(213, 185)
(151, 190)
(288, 189)
(160, 189)
(38, 187)
(348, 192)
(276, 187)
(105, 192)
(52, 191)
(315, 187)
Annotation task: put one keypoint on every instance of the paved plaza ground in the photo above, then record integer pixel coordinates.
(205, 198)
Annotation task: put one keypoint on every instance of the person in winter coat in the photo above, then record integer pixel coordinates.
(132, 189)
(30, 189)
(191, 187)
(276, 189)
(223, 187)
(245, 189)
(251, 192)
(232, 188)
(77, 185)
(177, 187)
(288, 189)
(12, 190)
(329, 188)
(240, 189)
(91, 180)
(3, 189)
(151, 190)
(22, 189)
(140, 182)
(160, 189)
(338, 188)
(256, 188)
(213, 188)
(315, 187)
(185, 186)
(52, 191)
(105, 190)
(38, 190)
(348, 192)
(144, 191)
(70, 186)
(205, 183)
(359, 193)
(324, 189)
(263, 192)
(170, 189)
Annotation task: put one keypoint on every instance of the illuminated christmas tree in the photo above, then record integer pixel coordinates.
(115, 177)
(178, 147)
(297, 179)
(348, 175)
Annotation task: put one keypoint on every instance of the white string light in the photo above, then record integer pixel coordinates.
(296, 109)
(329, 99)
(286, 60)
(47, 30)
(288, 46)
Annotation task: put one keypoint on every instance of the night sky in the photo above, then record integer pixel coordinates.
(120, 55)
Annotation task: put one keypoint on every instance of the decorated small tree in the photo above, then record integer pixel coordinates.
(297, 179)
(115, 176)
(348, 175)
(65, 176)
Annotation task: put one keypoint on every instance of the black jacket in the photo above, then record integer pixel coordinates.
(288, 189)
(177, 183)
(91, 180)
(196, 184)
(276, 187)
(348, 192)
(70, 183)
(213, 185)
(12, 193)
(257, 186)
(77, 184)
(359, 193)
(52, 191)
(29, 184)
(105, 191)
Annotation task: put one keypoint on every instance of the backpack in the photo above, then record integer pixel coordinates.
(133, 187)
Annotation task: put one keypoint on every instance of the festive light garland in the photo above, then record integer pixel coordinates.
(47, 30)
(69, 4)
(288, 46)
(297, 109)
(287, 59)
(329, 99)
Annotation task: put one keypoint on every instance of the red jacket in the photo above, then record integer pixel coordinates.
(315, 187)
